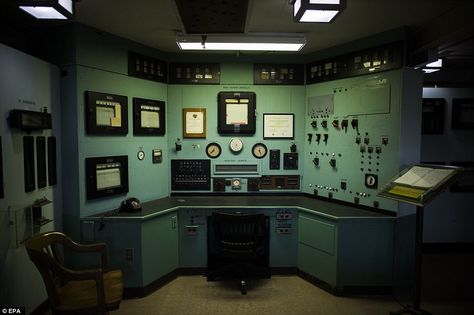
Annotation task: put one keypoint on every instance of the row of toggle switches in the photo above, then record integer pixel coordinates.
(318, 137)
(335, 123)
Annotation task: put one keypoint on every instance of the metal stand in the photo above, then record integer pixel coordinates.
(415, 309)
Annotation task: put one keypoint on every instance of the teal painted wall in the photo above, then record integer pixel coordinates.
(100, 65)
(26, 83)
(269, 99)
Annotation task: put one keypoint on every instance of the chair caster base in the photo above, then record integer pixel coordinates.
(243, 287)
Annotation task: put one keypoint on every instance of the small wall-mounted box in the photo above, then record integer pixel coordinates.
(29, 120)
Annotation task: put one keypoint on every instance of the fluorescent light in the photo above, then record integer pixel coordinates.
(44, 13)
(426, 70)
(435, 64)
(253, 42)
(48, 9)
(318, 16)
(319, 11)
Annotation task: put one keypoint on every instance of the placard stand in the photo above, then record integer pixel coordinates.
(418, 185)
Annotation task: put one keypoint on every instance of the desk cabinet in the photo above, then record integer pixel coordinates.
(348, 252)
(159, 242)
(145, 250)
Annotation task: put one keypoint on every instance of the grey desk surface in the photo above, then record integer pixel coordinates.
(312, 205)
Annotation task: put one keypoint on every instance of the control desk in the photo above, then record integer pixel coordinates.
(338, 245)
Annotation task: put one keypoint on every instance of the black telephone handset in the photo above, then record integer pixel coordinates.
(130, 205)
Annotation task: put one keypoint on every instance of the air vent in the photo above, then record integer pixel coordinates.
(213, 16)
(221, 169)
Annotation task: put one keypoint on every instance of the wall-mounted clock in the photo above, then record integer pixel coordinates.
(236, 145)
(213, 150)
(259, 150)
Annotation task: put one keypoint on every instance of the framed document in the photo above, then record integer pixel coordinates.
(194, 123)
(236, 113)
(148, 117)
(106, 114)
(278, 126)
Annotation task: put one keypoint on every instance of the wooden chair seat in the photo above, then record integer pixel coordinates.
(83, 294)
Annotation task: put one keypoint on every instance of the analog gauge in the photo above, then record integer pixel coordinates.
(141, 155)
(236, 145)
(213, 150)
(259, 150)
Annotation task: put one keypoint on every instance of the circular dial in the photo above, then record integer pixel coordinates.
(371, 180)
(259, 150)
(236, 145)
(141, 155)
(213, 150)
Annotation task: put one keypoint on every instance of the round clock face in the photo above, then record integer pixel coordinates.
(213, 150)
(141, 155)
(259, 150)
(236, 145)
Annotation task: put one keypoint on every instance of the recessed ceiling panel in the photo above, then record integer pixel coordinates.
(213, 16)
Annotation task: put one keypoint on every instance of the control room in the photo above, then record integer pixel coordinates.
(259, 156)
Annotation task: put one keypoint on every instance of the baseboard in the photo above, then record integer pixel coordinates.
(41, 309)
(284, 271)
(345, 290)
(440, 248)
(134, 292)
(197, 271)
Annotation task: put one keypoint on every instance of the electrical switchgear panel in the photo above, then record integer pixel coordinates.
(353, 133)
(190, 175)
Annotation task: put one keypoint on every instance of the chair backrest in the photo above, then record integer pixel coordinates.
(238, 231)
(44, 251)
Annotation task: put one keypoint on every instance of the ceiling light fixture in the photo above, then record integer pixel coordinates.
(255, 42)
(432, 66)
(317, 11)
(48, 9)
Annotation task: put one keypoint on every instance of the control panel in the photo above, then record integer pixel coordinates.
(352, 133)
(190, 175)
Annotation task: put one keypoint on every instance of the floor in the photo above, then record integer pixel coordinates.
(446, 290)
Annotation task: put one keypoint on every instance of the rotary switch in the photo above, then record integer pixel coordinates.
(371, 181)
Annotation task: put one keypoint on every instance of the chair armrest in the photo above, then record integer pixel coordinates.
(97, 247)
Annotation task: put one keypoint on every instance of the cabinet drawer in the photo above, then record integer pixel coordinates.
(317, 234)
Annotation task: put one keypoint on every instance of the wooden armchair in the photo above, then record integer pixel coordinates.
(92, 291)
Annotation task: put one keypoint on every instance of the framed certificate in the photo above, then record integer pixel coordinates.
(148, 117)
(278, 126)
(194, 123)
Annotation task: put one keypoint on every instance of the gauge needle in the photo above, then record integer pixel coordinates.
(212, 151)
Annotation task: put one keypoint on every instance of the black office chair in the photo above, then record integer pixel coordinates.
(238, 247)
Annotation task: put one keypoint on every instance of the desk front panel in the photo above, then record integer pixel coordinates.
(193, 235)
